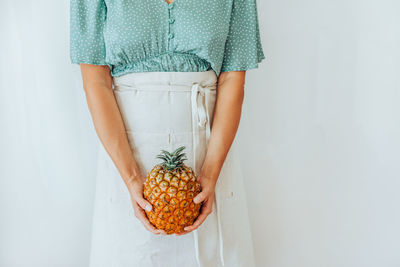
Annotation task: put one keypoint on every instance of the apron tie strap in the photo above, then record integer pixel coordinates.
(200, 117)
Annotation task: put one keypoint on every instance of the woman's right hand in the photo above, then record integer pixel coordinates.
(140, 204)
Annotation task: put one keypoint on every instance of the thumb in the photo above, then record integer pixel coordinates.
(200, 197)
(143, 203)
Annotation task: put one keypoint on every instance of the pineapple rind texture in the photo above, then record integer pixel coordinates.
(171, 192)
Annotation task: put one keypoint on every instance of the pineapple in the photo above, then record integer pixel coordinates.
(170, 187)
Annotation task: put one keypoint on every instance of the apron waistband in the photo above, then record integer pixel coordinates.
(163, 80)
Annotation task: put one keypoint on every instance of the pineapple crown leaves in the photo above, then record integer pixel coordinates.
(172, 160)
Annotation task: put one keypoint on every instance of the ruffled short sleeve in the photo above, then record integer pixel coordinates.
(243, 48)
(87, 19)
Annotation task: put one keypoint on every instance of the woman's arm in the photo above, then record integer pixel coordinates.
(107, 120)
(226, 118)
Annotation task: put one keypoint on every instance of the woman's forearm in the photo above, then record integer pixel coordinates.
(227, 113)
(108, 121)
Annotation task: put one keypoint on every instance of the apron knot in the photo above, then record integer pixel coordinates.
(200, 103)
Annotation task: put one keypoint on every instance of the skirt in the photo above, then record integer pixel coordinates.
(165, 110)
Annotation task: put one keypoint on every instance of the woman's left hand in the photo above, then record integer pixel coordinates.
(207, 197)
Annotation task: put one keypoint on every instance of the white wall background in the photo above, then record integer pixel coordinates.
(321, 122)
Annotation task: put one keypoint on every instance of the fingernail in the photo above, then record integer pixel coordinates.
(163, 232)
(148, 207)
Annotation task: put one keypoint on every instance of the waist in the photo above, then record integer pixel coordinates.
(168, 61)
(165, 80)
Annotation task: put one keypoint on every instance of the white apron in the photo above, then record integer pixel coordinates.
(165, 110)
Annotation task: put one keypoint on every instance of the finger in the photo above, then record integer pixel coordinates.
(143, 203)
(141, 215)
(182, 233)
(200, 197)
(197, 223)
(205, 211)
(145, 221)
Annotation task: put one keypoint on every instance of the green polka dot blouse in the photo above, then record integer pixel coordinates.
(152, 35)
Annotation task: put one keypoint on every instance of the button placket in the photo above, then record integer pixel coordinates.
(171, 20)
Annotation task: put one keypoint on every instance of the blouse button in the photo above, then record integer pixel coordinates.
(171, 20)
(171, 35)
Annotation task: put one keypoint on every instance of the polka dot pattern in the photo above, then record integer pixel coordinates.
(152, 35)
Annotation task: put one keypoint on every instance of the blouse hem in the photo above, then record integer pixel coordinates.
(79, 61)
(244, 67)
(168, 61)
